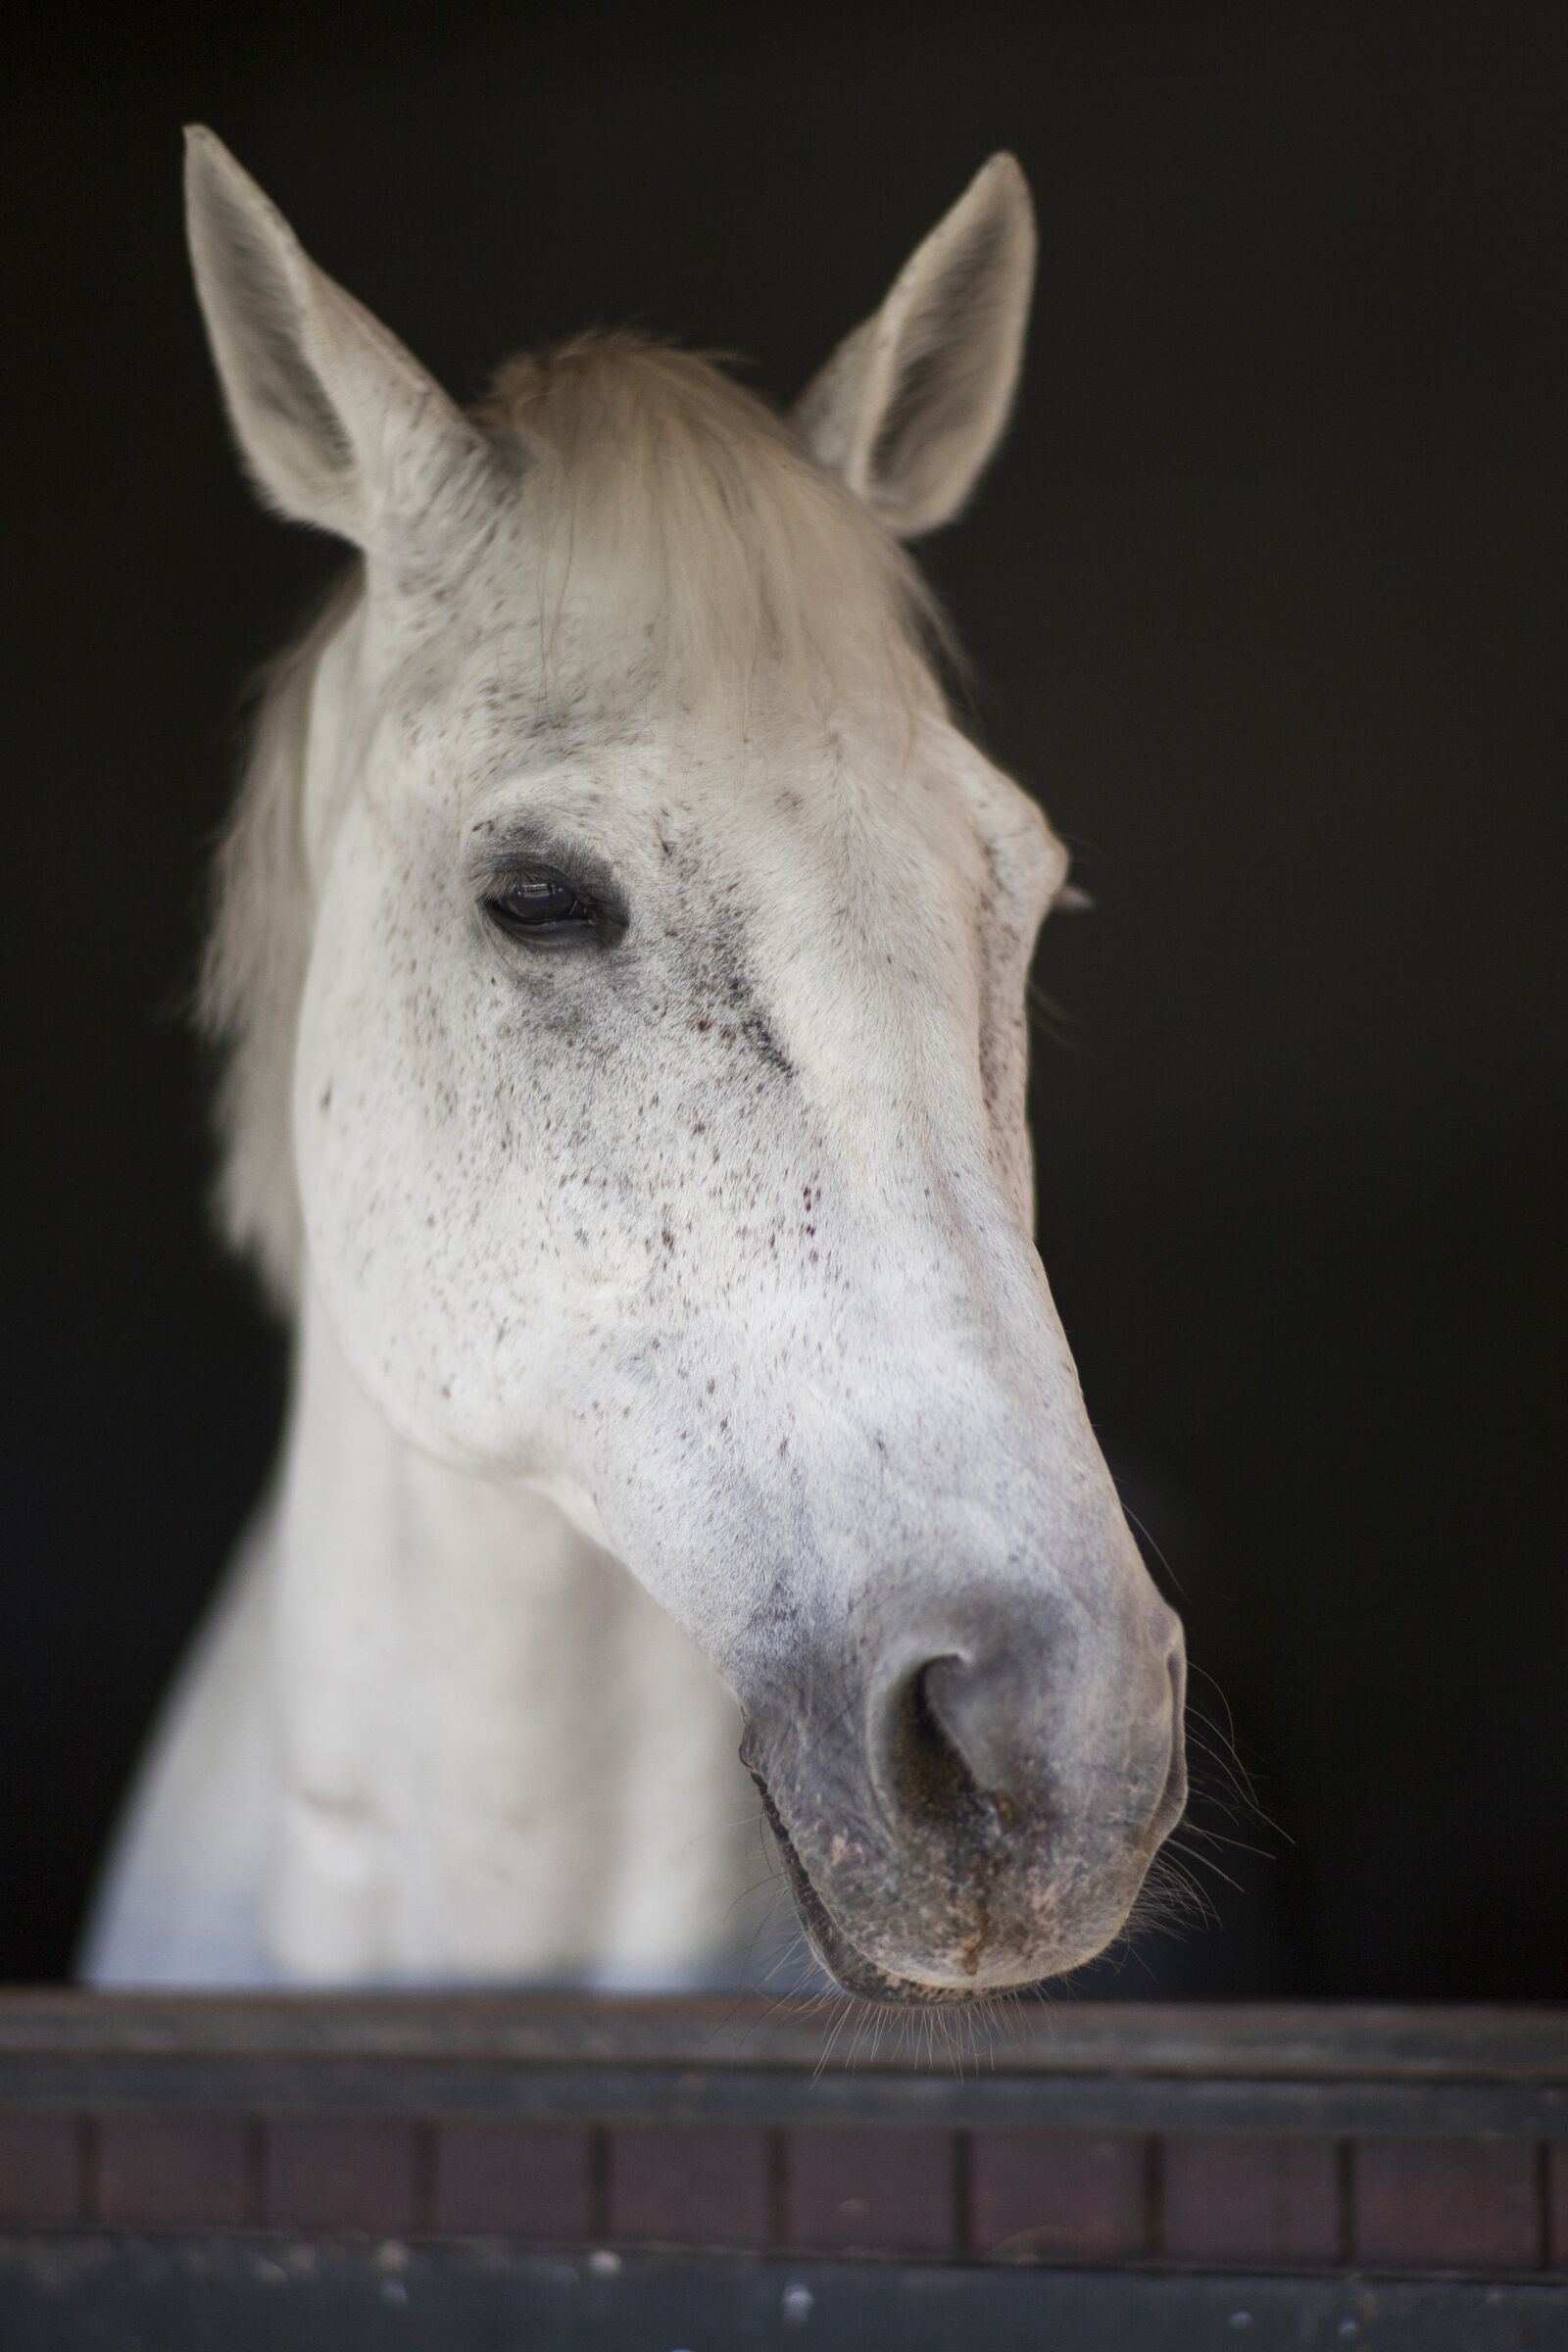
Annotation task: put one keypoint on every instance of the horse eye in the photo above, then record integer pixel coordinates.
(540, 903)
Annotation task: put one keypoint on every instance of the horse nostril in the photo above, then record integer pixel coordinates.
(928, 1776)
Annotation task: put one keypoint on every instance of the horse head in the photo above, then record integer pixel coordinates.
(637, 1073)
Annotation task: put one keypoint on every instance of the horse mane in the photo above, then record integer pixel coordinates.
(713, 546)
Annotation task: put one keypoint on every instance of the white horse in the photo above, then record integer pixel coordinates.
(620, 959)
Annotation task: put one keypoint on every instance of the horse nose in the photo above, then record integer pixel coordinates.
(961, 1742)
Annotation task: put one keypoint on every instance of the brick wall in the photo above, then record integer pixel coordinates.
(1280, 2202)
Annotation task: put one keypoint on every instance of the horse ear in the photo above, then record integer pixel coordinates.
(338, 423)
(910, 405)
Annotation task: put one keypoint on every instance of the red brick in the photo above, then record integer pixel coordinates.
(350, 2173)
(873, 2191)
(1446, 2205)
(1557, 2155)
(692, 2184)
(513, 2180)
(40, 2170)
(1250, 2198)
(163, 2169)
(1060, 2196)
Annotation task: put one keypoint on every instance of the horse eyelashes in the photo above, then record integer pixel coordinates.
(540, 905)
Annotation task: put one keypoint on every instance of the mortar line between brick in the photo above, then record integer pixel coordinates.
(89, 2167)
(1344, 2201)
(423, 2200)
(963, 2196)
(254, 2161)
(1153, 2196)
(599, 2182)
(778, 2189)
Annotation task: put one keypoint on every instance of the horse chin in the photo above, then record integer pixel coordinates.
(850, 1967)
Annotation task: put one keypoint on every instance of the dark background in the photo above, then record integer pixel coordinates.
(1266, 594)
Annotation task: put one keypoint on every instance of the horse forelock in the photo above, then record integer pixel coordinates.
(690, 514)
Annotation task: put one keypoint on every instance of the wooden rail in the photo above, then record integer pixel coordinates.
(1318, 2147)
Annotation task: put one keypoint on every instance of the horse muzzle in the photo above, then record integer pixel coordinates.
(978, 1813)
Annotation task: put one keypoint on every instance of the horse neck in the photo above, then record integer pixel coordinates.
(498, 1757)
